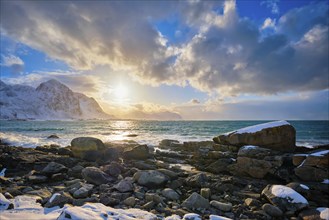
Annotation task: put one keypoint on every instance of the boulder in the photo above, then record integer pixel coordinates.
(195, 201)
(285, 198)
(257, 162)
(83, 191)
(53, 168)
(139, 152)
(87, 148)
(170, 194)
(277, 135)
(95, 176)
(113, 169)
(124, 185)
(130, 201)
(59, 199)
(53, 136)
(150, 178)
(272, 210)
(314, 167)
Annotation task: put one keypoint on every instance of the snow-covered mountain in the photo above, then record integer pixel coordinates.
(51, 100)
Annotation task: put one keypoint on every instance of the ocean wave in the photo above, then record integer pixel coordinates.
(17, 139)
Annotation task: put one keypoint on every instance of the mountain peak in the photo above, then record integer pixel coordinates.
(52, 85)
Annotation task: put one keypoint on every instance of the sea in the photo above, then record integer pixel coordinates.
(35, 133)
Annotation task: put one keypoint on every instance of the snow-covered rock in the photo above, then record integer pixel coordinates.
(277, 135)
(26, 207)
(51, 100)
(284, 197)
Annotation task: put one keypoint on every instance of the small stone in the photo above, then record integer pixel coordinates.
(83, 192)
(170, 194)
(124, 185)
(53, 168)
(37, 179)
(221, 206)
(251, 202)
(130, 201)
(53, 136)
(205, 193)
(272, 210)
(149, 205)
(58, 177)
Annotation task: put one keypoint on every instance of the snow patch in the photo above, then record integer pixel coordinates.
(320, 153)
(248, 147)
(216, 217)
(288, 193)
(192, 216)
(304, 186)
(2, 173)
(4, 202)
(256, 128)
(324, 213)
(26, 207)
(53, 197)
(325, 181)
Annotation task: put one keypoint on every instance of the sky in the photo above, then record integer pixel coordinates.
(191, 60)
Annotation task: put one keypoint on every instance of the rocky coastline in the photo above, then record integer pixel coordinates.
(246, 174)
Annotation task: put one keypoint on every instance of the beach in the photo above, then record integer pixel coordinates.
(196, 179)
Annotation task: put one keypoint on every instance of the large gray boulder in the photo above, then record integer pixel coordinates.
(285, 198)
(277, 135)
(150, 178)
(87, 148)
(95, 176)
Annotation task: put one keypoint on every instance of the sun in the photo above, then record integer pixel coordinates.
(121, 91)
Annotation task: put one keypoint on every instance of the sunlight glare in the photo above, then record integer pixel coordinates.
(121, 91)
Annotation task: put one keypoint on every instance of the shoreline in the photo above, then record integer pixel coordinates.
(256, 172)
(231, 190)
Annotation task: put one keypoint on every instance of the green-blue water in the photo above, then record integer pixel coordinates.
(34, 133)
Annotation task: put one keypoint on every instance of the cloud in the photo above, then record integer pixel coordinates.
(268, 23)
(221, 53)
(232, 58)
(288, 107)
(15, 63)
(273, 5)
(78, 82)
(194, 101)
